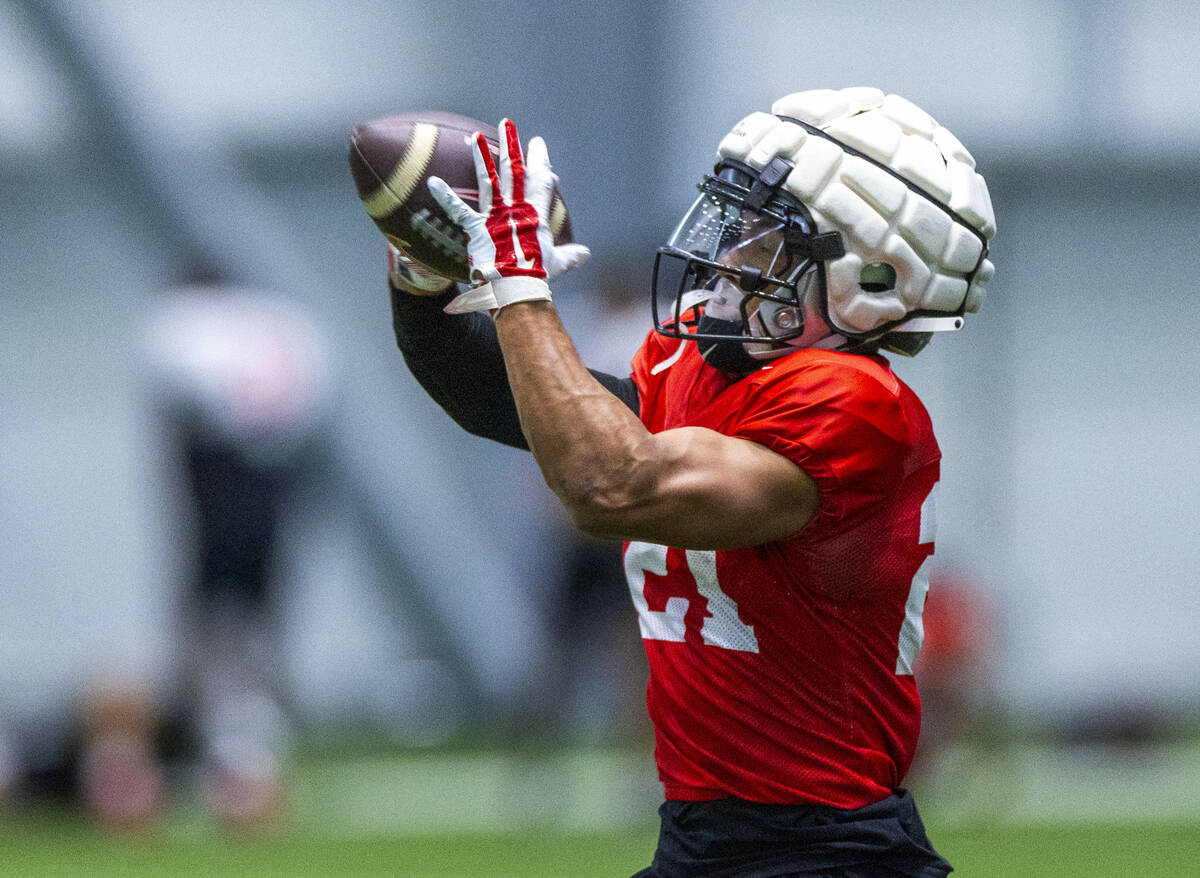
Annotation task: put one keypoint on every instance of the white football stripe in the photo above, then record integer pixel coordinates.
(409, 172)
(558, 215)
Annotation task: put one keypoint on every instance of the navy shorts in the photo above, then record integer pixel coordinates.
(733, 838)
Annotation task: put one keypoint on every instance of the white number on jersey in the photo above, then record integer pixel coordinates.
(721, 628)
(912, 630)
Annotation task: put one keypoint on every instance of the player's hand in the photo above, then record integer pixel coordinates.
(405, 273)
(510, 246)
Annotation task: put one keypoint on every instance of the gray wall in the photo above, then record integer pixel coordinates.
(1065, 410)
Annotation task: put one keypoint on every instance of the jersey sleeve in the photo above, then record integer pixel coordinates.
(844, 426)
(649, 375)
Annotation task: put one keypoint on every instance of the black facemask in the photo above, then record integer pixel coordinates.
(747, 229)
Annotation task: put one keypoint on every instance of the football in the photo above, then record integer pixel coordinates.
(392, 158)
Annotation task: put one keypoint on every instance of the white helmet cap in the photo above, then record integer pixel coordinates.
(914, 214)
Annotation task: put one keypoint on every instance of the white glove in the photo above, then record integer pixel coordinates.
(411, 276)
(510, 247)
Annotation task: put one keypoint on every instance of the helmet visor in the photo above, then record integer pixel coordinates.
(731, 258)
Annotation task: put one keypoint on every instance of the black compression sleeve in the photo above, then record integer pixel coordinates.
(457, 359)
(622, 388)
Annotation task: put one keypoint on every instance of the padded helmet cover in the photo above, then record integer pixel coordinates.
(912, 200)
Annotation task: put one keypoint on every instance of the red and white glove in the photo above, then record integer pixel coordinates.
(411, 276)
(510, 246)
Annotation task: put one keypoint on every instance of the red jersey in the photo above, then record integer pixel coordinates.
(783, 672)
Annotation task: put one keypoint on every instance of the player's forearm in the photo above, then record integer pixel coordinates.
(593, 451)
(688, 487)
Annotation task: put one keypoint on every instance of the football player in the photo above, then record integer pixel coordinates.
(773, 479)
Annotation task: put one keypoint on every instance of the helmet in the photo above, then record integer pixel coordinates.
(842, 219)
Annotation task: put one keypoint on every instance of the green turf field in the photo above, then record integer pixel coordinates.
(66, 848)
(1073, 851)
(1031, 810)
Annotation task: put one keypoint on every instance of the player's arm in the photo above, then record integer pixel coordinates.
(690, 487)
(457, 359)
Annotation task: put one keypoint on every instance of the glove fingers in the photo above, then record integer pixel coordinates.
(512, 164)
(574, 254)
(539, 178)
(505, 165)
(509, 240)
(485, 174)
(457, 209)
(566, 257)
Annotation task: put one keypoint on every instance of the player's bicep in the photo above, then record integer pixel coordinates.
(699, 489)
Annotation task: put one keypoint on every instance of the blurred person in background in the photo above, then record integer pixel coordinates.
(772, 477)
(239, 386)
(100, 751)
(239, 380)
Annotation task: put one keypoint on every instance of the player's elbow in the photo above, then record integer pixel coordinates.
(594, 517)
(601, 515)
(608, 504)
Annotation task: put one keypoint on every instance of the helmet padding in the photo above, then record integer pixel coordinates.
(901, 189)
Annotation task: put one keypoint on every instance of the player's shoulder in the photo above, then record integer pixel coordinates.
(840, 386)
(820, 372)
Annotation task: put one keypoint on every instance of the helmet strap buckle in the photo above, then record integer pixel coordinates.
(821, 247)
(749, 278)
(769, 180)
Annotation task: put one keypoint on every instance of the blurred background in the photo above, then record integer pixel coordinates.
(281, 588)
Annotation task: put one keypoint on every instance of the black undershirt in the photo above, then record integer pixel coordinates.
(457, 360)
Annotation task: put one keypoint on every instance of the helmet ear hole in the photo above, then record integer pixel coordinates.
(877, 277)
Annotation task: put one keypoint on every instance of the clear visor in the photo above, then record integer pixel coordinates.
(733, 260)
(722, 231)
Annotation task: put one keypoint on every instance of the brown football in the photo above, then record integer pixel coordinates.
(392, 158)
